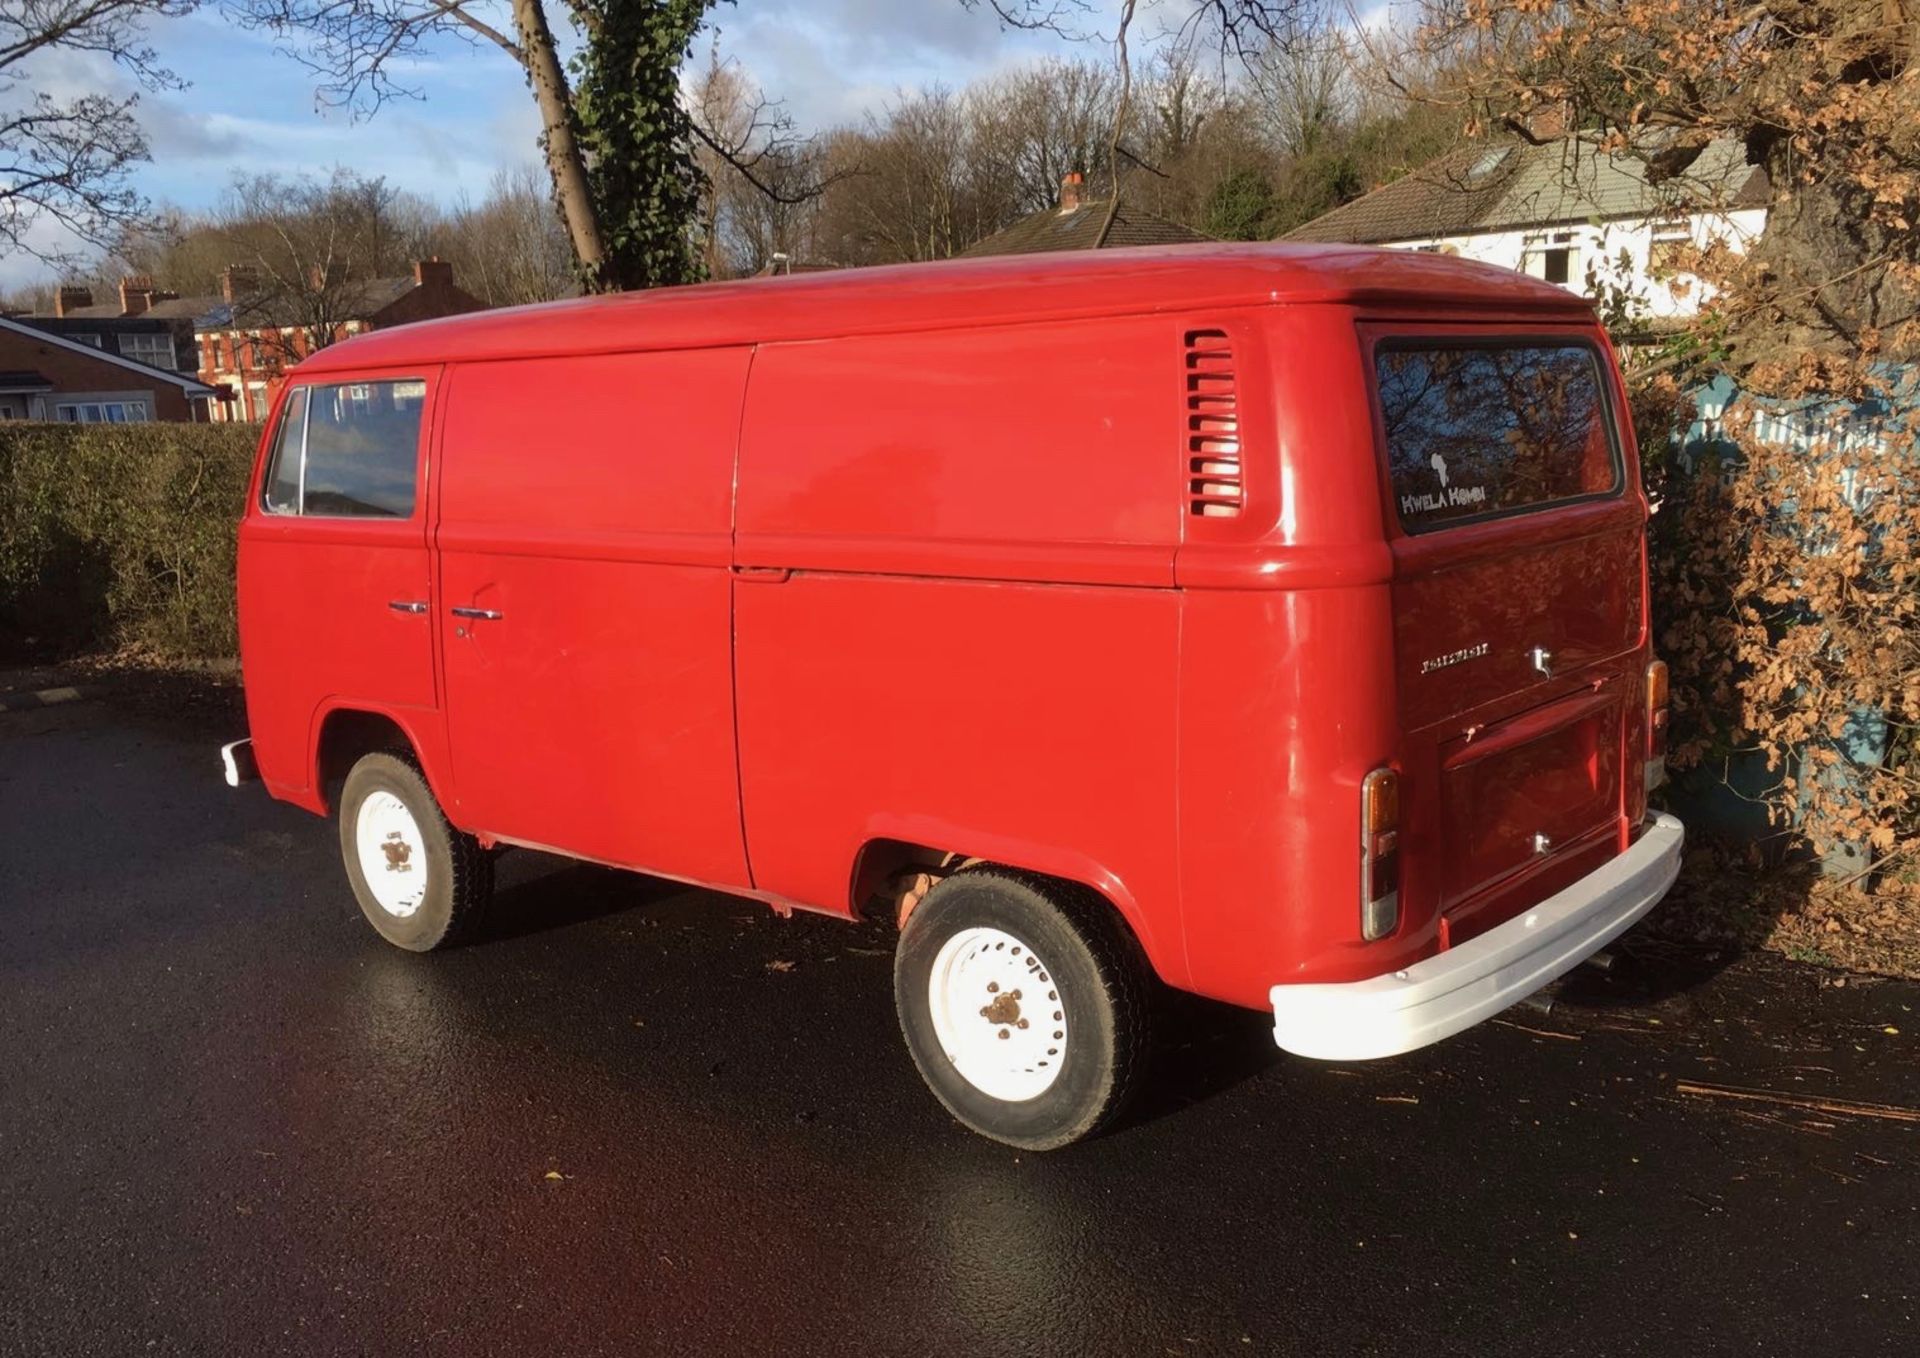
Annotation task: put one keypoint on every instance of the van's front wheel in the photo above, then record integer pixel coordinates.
(1024, 1005)
(421, 883)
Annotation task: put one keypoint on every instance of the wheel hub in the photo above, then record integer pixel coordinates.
(997, 1013)
(1004, 1009)
(392, 856)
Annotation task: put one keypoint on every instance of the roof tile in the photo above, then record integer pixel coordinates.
(1492, 188)
(1080, 228)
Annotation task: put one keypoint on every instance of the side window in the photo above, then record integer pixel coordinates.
(348, 451)
(282, 494)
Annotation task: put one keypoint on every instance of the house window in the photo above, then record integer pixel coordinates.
(93, 340)
(1670, 241)
(101, 412)
(258, 402)
(1551, 255)
(154, 350)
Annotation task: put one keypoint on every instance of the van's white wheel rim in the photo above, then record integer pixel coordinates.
(393, 858)
(997, 1014)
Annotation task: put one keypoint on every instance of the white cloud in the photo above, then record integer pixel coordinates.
(251, 108)
(23, 268)
(833, 61)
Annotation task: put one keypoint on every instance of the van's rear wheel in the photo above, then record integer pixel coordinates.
(1023, 1002)
(421, 883)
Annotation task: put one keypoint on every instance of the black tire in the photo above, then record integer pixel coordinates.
(1093, 971)
(459, 872)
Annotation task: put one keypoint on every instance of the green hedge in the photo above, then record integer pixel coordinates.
(122, 534)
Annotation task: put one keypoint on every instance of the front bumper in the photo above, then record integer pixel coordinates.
(1399, 1011)
(236, 758)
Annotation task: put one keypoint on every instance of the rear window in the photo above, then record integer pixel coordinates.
(1475, 430)
(347, 451)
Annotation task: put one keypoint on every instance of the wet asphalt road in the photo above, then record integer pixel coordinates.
(642, 1119)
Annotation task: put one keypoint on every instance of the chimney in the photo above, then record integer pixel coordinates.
(1070, 192)
(236, 281)
(71, 297)
(136, 294)
(435, 272)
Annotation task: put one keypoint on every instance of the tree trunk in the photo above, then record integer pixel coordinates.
(564, 161)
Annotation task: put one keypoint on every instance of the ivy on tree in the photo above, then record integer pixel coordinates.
(638, 139)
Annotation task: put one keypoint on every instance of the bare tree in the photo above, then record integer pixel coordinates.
(915, 183)
(762, 174)
(1304, 90)
(509, 249)
(1180, 101)
(1237, 28)
(360, 50)
(311, 248)
(65, 162)
(1042, 122)
(1196, 132)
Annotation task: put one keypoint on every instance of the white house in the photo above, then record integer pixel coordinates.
(1566, 212)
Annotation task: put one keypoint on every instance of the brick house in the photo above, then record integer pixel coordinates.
(1077, 222)
(49, 376)
(248, 335)
(146, 324)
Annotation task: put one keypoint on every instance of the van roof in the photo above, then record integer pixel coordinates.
(1005, 289)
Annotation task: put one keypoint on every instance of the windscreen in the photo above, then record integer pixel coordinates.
(1475, 430)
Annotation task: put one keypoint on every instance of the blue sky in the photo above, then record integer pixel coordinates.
(249, 108)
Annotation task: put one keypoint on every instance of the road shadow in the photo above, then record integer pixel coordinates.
(1642, 971)
(1201, 1049)
(539, 893)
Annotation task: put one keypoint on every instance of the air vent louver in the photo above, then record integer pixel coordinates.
(1214, 488)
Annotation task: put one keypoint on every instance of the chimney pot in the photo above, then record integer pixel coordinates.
(434, 272)
(236, 281)
(71, 297)
(1070, 191)
(136, 294)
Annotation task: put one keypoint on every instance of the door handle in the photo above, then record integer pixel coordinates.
(484, 614)
(407, 606)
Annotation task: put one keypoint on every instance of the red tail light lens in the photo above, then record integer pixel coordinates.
(1657, 716)
(1379, 854)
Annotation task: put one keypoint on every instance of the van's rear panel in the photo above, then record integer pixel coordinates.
(1463, 601)
(1519, 611)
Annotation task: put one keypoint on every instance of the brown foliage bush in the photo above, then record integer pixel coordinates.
(1786, 580)
(120, 535)
(1783, 568)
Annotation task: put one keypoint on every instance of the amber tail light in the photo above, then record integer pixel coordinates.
(1656, 724)
(1379, 854)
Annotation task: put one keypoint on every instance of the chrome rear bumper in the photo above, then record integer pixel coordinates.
(1421, 1004)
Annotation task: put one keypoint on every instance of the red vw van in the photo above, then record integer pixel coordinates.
(1268, 620)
